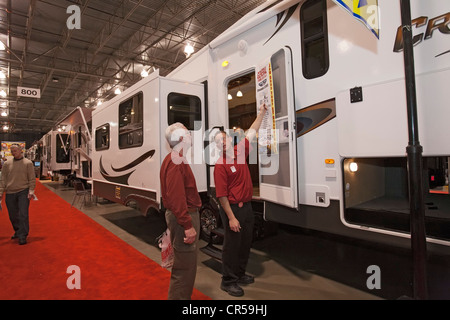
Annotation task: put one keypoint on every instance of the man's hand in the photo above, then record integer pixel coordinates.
(31, 195)
(263, 108)
(190, 235)
(234, 225)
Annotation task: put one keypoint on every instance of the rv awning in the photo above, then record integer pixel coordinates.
(252, 19)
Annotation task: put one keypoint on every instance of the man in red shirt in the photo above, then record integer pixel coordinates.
(182, 201)
(234, 189)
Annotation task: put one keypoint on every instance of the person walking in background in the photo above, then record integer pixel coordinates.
(234, 189)
(181, 199)
(18, 182)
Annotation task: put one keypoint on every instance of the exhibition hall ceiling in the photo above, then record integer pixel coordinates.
(56, 55)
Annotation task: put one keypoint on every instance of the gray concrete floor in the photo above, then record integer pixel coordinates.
(277, 276)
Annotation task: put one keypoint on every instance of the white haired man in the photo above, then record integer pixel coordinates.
(181, 199)
(18, 181)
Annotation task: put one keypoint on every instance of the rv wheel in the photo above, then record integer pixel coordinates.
(209, 220)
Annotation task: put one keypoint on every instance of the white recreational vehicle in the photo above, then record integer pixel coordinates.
(338, 109)
(130, 143)
(56, 153)
(67, 150)
(78, 125)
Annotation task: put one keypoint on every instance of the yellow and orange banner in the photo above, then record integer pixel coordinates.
(6, 147)
(264, 95)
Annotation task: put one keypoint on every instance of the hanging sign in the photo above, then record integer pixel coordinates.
(29, 92)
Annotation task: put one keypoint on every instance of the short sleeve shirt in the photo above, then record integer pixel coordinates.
(232, 177)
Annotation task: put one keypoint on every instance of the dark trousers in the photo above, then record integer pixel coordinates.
(184, 269)
(236, 245)
(17, 204)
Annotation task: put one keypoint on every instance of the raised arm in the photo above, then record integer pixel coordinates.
(251, 133)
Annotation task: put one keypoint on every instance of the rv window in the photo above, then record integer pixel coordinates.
(131, 122)
(102, 137)
(62, 148)
(314, 33)
(183, 108)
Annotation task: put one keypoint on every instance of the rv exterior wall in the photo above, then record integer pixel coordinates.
(374, 127)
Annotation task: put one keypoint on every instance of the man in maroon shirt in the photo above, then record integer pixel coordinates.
(234, 189)
(182, 201)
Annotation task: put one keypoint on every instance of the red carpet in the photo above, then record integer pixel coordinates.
(61, 236)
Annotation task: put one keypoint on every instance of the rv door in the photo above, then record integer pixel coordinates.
(277, 159)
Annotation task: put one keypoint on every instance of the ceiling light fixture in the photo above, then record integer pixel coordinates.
(117, 91)
(188, 50)
(3, 93)
(144, 73)
(239, 94)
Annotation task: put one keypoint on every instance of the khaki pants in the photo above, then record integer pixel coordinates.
(184, 267)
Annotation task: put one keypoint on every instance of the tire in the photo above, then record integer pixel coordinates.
(209, 220)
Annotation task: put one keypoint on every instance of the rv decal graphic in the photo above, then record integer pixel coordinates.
(123, 179)
(312, 117)
(135, 162)
(289, 12)
(440, 23)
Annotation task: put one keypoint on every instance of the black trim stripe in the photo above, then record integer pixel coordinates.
(270, 6)
(135, 162)
(441, 54)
